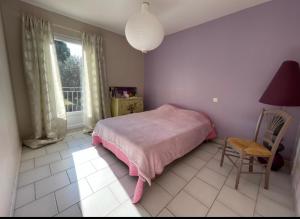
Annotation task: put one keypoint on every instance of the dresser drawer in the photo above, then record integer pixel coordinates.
(123, 106)
(139, 107)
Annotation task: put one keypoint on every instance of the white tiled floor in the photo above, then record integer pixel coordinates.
(74, 178)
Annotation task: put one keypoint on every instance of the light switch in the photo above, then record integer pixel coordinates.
(215, 100)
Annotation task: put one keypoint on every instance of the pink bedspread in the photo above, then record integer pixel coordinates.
(153, 139)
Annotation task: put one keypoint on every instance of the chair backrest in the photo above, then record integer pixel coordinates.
(276, 123)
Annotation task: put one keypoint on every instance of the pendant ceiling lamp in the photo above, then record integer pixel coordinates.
(143, 30)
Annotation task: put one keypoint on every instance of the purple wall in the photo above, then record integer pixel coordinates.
(232, 58)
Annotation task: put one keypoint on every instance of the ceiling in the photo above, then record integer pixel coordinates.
(175, 15)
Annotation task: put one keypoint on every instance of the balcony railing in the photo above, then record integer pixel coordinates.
(72, 98)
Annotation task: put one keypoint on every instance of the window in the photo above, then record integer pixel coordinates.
(69, 55)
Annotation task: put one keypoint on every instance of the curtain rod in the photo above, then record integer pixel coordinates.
(66, 28)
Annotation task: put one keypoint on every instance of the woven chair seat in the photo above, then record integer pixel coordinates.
(249, 147)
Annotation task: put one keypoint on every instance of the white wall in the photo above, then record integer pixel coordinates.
(10, 147)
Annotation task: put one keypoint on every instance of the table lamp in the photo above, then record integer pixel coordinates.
(284, 87)
(284, 90)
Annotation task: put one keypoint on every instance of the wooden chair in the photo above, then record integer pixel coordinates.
(275, 124)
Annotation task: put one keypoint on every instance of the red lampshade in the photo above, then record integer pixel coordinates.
(284, 89)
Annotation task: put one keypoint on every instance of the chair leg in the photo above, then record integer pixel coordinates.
(223, 153)
(267, 173)
(251, 164)
(238, 175)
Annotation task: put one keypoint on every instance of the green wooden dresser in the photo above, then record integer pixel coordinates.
(123, 106)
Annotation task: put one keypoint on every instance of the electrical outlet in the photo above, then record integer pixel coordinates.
(215, 100)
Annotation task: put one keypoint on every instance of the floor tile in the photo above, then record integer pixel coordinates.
(26, 149)
(47, 159)
(203, 155)
(69, 152)
(101, 150)
(219, 141)
(86, 138)
(211, 177)
(33, 154)
(218, 157)
(128, 209)
(155, 199)
(33, 175)
(194, 181)
(79, 135)
(282, 196)
(72, 194)
(44, 207)
(254, 178)
(101, 179)
(190, 208)
(110, 158)
(170, 182)
(246, 187)
(99, 204)
(184, 171)
(74, 142)
(194, 162)
(27, 165)
(61, 146)
(73, 211)
(165, 213)
(210, 147)
(68, 137)
(62, 165)
(51, 184)
(233, 199)
(269, 208)
(123, 189)
(80, 171)
(281, 180)
(214, 165)
(203, 192)
(86, 143)
(100, 163)
(25, 195)
(220, 210)
(85, 155)
(104, 161)
(119, 169)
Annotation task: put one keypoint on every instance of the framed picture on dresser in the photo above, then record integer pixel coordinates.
(119, 92)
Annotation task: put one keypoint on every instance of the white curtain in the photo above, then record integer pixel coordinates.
(96, 103)
(43, 82)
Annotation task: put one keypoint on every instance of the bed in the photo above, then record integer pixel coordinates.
(147, 142)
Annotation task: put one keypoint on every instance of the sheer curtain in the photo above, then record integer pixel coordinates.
(96, 104)
(43, 82)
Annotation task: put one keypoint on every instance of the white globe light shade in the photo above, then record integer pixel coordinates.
(143, 30)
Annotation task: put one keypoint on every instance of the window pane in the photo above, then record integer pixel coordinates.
(69, 57)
